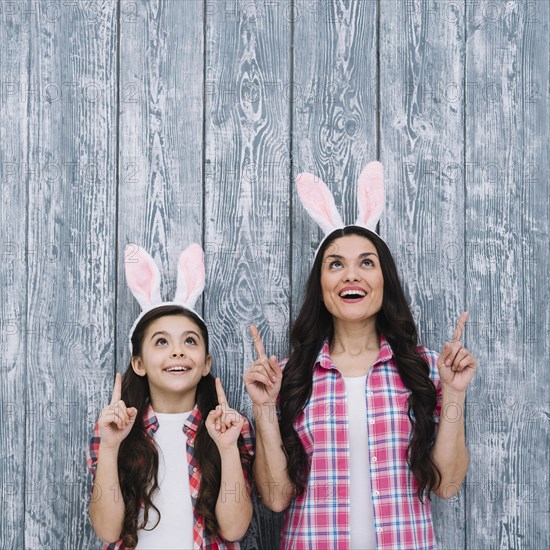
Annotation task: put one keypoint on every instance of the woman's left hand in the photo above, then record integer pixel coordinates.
(224, 424)
(456, 364)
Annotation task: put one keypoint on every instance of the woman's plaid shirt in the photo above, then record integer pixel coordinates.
(320, 518)
(190, 428)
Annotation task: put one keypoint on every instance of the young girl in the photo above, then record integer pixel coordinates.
(363, 436)
(170, 459)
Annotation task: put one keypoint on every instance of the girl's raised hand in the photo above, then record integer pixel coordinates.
(224, 424)
(116, 420)
(263, 377)
(456, 364)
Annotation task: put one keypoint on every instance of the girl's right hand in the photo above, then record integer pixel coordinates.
(263, 377)
(116, 420)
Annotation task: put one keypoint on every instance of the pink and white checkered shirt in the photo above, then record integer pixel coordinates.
(319, 519)
(190, 427)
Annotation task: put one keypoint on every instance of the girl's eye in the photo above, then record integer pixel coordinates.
(190, 340)
(161, 342)
(334, 264)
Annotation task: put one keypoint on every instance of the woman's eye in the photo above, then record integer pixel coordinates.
(335, 264)
(368, 262)
(190, 340)
(161, 342)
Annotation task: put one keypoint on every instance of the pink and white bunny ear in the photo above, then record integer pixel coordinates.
(191, 275)
(318, 201)
(143, 277)
(370, 195)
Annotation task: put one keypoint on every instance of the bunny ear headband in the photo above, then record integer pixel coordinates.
(319, 202)
(143, 278)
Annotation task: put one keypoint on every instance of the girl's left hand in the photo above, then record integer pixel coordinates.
(456, 364)
(224, 424)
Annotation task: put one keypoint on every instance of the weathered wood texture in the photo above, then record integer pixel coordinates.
(246, 226)
(422, 149)
(506, 272)
(164, 122)
(14, 157)
(70, 274)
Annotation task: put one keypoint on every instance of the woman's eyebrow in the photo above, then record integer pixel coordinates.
(365, 254)
(190, 332)
(166, 333)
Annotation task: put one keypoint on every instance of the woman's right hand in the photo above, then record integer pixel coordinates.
(263, 377)
(116, 420)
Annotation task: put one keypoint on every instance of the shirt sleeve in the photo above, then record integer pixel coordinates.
(93, 451)
(247, 444)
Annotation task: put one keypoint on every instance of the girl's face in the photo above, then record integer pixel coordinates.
(351, 279)
(173, 356)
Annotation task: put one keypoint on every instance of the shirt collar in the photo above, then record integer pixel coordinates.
(150, 421)
(325, 362)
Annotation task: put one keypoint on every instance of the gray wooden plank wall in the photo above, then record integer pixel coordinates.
(163, 122)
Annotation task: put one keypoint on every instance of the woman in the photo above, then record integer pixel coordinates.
(356, 451)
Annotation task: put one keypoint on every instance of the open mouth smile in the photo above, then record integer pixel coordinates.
(352, 294)
(177, 369)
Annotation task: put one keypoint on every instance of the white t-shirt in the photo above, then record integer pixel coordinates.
(361, 511)
(173, 499)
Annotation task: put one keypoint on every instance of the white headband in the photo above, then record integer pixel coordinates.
(319, 202)
(143, 278)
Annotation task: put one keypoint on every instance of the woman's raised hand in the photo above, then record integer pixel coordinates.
(456, 364)
(116, 420)
(224, 424)
(263, 377)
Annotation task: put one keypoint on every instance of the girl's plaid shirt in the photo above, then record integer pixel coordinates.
(319, 519)
(190, 427)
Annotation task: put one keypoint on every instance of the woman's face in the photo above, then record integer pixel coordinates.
(351, 279)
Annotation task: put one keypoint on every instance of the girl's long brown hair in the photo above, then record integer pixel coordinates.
(314, 324)
(138, 456)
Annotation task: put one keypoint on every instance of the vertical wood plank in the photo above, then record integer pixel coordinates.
(71, 229)
(14, 65)
(334, 113)
(421, 126)
(247, 201)
(507, 237)
(160, 145)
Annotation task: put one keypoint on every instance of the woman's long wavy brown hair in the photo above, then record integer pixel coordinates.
(138, 458)
(314, 324)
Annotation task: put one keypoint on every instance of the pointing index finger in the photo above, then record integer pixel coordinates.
(258, 344)
(459, 330)
(117, 390)
(222, 399)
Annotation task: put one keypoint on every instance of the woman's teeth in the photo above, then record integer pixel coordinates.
(353, 294)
